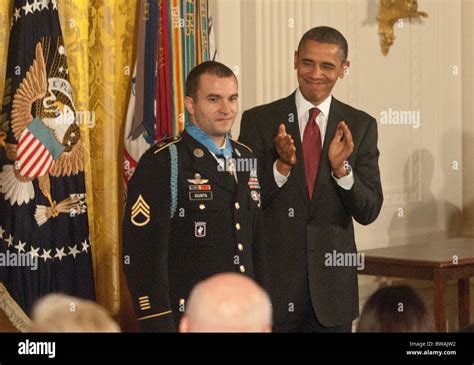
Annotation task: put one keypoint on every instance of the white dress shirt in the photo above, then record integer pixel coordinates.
(302, 108)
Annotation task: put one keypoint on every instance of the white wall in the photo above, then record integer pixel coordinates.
(468, 114)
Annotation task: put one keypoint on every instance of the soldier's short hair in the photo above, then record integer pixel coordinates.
(209, 67)
(326, 35)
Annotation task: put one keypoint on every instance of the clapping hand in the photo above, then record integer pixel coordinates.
(340, 149)
(286, 150)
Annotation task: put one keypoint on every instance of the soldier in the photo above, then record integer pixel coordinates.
(193, 207)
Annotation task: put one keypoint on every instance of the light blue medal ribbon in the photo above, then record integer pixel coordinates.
(199, 135)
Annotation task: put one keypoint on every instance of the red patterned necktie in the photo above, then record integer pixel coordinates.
(312, 149)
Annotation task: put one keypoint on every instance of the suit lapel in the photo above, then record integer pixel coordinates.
(292, 128)
(207, 165)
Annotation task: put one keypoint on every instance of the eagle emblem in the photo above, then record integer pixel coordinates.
(48, 144)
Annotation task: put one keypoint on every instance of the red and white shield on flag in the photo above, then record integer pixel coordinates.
(33, 158)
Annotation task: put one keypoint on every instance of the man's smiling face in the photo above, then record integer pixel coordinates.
(318, 66)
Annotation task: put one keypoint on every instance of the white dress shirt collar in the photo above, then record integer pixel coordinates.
(303, 106)
(302, 109)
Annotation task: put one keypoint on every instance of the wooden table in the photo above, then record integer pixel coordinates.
(437, 261)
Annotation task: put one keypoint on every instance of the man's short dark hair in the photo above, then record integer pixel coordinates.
(210, 67)
(326, 35)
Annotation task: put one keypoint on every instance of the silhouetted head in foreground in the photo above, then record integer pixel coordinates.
(63, 313)
(395, 309)
(227, 303)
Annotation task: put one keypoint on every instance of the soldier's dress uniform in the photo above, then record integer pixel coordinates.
(216, 227)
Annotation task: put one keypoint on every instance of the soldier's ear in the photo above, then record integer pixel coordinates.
(189, 103)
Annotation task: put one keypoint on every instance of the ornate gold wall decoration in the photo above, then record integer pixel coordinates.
(391, 11)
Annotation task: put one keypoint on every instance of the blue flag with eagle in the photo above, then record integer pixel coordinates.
(44, 234)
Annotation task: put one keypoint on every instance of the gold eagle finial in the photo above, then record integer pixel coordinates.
(391, 11)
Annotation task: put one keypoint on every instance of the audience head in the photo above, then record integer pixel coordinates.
(395, 309)
(227, 303)
(63, 313)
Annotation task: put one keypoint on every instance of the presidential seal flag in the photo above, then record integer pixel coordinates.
(43, 212)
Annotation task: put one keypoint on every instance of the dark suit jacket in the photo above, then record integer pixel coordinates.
(167, 257)
(301, 233)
